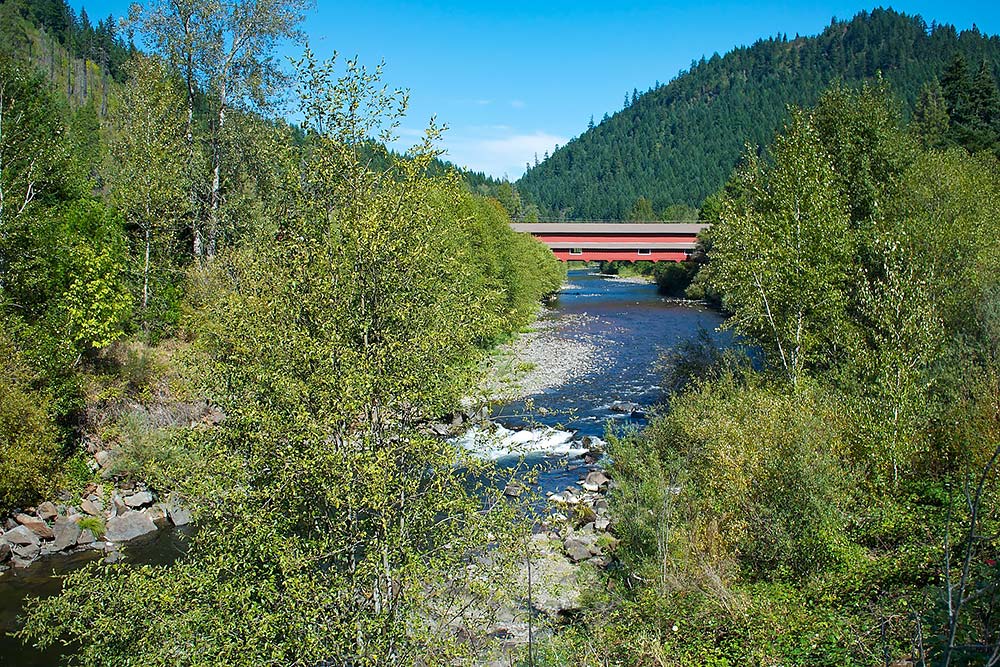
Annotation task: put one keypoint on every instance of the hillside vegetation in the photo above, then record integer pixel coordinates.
(328, 303)
(679, 143)
(837, 501)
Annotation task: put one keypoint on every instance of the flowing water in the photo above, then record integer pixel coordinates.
(629, 326)
(43, 578)
(626, 325)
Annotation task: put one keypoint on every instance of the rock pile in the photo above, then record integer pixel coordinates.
(582, 522)
(96, 521)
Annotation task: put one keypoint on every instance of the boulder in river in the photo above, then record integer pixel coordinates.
(35, 525)
(625, 406)
(25, 553)
(66, 532)
(4, 549)
(47, 511)
(128, 526)
(595, 481)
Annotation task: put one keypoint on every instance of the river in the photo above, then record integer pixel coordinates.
(626, 325)
(629, 326)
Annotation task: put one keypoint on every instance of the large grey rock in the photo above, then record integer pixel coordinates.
(20, 536)
(103, 458)
(141, 499)
(128, 526)
(26, 552)
(577, 549)
(598, 478)
(179, 516)
(625, 406)
(36, 525)
(86, 538)
(47, 511)
(4, 549)
(91, 507)
(66, 534)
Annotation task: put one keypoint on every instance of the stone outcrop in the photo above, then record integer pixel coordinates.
(52, 528)
(128, 526)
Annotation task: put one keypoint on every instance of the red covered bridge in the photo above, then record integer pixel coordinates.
(607, 241)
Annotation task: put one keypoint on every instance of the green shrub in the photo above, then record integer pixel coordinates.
(29, 448)
(139, 369)
(673, 278)
(94, 524)
(736, 472)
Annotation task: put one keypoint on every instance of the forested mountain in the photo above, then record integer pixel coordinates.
(52, 35)
(679, 142)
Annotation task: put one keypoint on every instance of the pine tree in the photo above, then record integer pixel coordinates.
(984, 107)
(930, 118)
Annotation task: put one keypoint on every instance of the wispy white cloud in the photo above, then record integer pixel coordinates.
(517, 104)
(500, 153)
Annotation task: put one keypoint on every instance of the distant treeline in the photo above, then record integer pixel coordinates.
(102, 43)
(677, 143)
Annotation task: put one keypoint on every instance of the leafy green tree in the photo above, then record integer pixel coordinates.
(224, 50)
(642, 210)
(30, 453)
(984, 100)
(33, 154)
(782, 250)
(148, 174)
(326, 514)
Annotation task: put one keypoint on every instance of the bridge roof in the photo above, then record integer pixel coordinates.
(609, 227)
(611, 245)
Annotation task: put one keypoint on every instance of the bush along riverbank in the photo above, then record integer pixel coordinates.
(839, 504)
(679, 280)
(329, 335)
(137, 407)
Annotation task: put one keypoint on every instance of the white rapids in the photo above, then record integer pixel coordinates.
(494, 442)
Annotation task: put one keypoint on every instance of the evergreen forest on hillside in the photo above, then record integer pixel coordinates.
(270, 326)
(678, 143)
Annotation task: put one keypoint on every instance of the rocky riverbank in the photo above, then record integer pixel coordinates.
(101, 519)
(560, 562)
(536, 360)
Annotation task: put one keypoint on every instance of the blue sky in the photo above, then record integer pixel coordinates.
(512, 79)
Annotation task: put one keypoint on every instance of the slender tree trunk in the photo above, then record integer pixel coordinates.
(145, 283)
(196, 248)
(213, 221)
